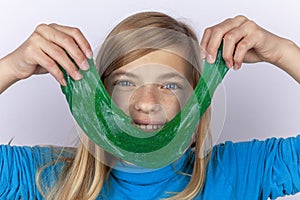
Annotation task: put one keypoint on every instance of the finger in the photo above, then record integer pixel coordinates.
(217, 33)
(204, 42)
(65, 42)
(54, 54)
(242, 48)
(58, 54)
(78, 36)
(50, 65)
(230, 40)
(245, 39)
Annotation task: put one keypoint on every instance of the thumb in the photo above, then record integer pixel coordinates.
(40, 70)
(252, 57)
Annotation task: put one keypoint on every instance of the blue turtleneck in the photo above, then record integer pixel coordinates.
(245, 170)
(135, 183)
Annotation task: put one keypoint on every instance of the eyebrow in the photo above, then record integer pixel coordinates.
(123, 73)
(172, 75)
(163, 76)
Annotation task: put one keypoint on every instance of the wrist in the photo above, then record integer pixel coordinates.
(287, 49)
(7, 75)
(290, 59)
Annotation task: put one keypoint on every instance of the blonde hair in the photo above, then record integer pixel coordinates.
(142, 33)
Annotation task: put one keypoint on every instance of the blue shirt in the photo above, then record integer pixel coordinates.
(245, 170)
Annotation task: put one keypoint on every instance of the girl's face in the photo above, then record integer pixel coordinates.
(151, 89)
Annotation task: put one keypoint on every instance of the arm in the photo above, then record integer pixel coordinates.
(19, 167)
(43, 51)
(7, 77)
(290, 61)
(245, 41)
(258, 169)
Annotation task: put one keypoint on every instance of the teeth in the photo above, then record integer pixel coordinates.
(149, 126)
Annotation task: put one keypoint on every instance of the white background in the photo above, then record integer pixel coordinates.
(261, 100)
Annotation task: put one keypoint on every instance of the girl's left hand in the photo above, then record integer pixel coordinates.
(243, 41)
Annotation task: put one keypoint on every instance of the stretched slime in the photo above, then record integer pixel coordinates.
(111, 129)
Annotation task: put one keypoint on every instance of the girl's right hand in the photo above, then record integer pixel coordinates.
(46, 48)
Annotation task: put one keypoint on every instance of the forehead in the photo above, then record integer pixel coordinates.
(159, 60)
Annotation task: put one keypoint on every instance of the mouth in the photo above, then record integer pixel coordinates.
(150, 127)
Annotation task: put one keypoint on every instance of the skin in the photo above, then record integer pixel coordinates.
(151, 89)
(243, 41)
(40, 52)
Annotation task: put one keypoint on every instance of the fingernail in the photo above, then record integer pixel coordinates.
(77, 75)
(85, 65)
(202, 55)
(228, 65)
(89, 54)
(236, 67)
(210, 59)
(63, 82)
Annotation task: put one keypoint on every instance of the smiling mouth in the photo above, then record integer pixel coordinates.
(148, 127)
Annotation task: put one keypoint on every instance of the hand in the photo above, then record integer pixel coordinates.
(243, 41)
(45, 49)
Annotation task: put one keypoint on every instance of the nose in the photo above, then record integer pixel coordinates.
(146, 99)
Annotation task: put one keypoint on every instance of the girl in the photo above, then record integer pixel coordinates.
(139, 82)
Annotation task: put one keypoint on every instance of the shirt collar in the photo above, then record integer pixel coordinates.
(138, 175)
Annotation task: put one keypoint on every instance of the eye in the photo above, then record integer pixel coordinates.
(171, 86)
(123, 83)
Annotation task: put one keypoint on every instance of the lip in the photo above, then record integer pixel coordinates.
(147, 122)
(147, 125)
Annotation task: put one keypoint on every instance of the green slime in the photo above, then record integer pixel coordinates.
(111, 129)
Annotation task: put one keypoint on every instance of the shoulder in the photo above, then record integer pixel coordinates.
(38, 155)
(254, 166)
(239, 155)
(19, 166)
(256, 147)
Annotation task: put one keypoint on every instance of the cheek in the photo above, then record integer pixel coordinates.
(171, 104)
(185, 96)
(175, 102)
(121, 99)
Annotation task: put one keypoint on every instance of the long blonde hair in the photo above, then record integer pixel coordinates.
(142, 33)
